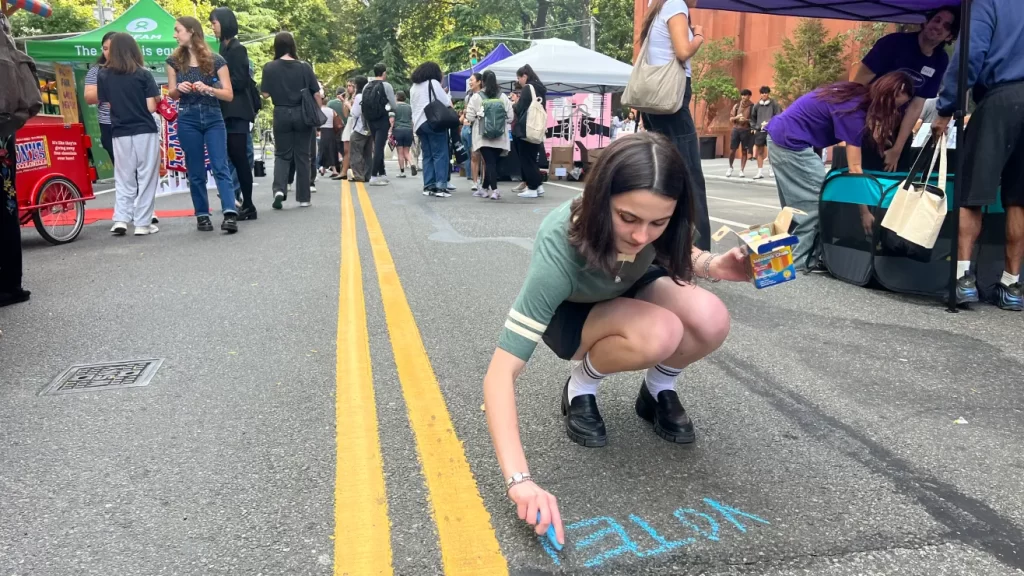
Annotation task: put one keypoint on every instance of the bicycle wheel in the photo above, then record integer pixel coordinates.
(61, 222)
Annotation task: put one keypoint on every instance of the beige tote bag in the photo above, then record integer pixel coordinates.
(655, 89)
(919, 209)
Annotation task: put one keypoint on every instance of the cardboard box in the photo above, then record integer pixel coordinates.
(562, 155)
(769, 248)
(561, 170)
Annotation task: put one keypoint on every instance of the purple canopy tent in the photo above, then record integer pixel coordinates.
(902, 11)
(457, 80)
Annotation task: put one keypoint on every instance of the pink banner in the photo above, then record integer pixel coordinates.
(579, 118)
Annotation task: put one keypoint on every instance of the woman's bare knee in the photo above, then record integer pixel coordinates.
(659, 335)
(708, 323)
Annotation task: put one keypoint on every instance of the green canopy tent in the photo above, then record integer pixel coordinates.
(151, 25)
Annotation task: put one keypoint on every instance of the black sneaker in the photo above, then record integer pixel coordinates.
(967, 289)
(230, 223)
(203, 224)
(1009, 297)
(667, 414)
(413, 170)
(279, 197)
(583, 422)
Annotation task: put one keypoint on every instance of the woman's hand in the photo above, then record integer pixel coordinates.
(698, 30)
(184, 87)
(733, 266)
(531, 499)
(201, 88)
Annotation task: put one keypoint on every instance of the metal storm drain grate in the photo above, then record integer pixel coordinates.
(103, 376)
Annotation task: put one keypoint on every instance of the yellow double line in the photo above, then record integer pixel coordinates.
(362, 540)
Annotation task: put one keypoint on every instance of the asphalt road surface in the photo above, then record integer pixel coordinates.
(318, 411)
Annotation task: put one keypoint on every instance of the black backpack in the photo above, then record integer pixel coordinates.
(375, 101)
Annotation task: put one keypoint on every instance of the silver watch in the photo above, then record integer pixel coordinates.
(517, 478)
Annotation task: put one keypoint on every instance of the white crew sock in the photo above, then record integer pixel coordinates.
(962, 267)
(660, 378)
(584, 379)
(1009, 279)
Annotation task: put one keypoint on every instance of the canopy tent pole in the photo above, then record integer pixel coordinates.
(961, 107)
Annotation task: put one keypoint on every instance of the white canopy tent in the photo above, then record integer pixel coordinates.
(566, 68)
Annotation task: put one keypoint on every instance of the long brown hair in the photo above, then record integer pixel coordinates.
(652, 12)
(197, 47)
(125, 55)
(643, 161)
(878, 101)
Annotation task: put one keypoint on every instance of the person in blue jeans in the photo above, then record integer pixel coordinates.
(426, 87)
(198, 78)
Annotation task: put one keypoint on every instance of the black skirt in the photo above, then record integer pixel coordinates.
(328, 148)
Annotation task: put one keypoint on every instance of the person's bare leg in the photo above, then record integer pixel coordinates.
(344, 160)
(743, 160)
(1014, 238)
(970, 229)
(704, 317)
(761, 152)
(732, 157)
(625, 334)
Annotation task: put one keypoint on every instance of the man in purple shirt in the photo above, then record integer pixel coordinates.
(922, 56)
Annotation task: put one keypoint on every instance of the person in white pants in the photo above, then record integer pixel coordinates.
(136, 180)
(129, 87)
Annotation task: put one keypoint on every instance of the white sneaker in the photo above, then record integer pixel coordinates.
(451, 188)
(520, 188)
(760, 175)
(540, 190)
(146, 230)
(350, 175)
(742, 175)
(474, 187)
(771, 172)
(378, 182)
(427, 192)
(119, 228)
(305, 204)
(443, 194)
(528, 194)
(728, 173)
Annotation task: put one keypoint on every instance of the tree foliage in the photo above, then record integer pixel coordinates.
(808, 61)
(712, 81)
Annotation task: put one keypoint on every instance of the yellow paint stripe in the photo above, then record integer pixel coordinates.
(362, 538)
(467, 540)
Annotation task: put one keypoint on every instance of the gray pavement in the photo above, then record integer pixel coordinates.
(826, 435)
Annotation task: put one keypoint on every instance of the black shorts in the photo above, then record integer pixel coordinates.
(993, 145)
(760, 138)
(565, 330)
(403, 137)
(742, 136)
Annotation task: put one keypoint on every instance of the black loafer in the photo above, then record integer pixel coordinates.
(15, 297)
(230, 223)
(667, 414)
(244, 214)
(203, 224)
(583, 422)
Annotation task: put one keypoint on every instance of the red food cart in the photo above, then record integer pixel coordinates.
(54, 177)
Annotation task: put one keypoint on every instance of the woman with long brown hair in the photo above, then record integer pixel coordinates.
(200, 79)
(843, 112)
(611, 284)
(671, 37)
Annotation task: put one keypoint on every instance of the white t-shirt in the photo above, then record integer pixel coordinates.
(329, 112)
(659, 48)
(419, 97)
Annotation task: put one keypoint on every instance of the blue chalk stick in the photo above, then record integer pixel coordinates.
(552, 538)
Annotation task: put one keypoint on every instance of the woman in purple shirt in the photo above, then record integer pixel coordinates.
(842, 112)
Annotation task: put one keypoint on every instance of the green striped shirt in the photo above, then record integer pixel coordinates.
(558, 273)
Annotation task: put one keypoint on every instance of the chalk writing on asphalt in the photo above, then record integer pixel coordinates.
(605, 538)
